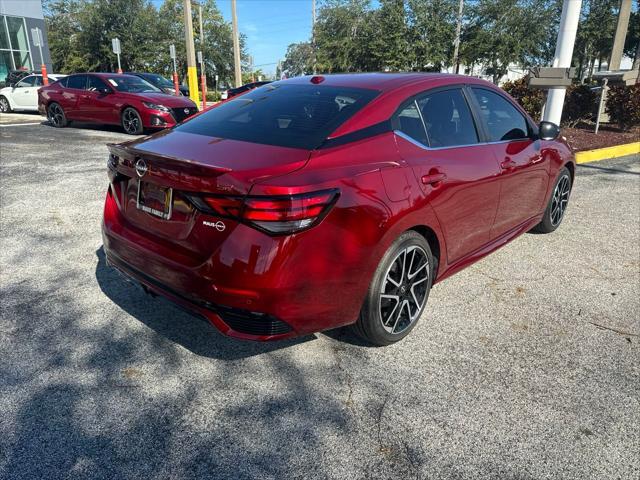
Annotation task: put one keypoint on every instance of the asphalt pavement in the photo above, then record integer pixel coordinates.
(524, 366)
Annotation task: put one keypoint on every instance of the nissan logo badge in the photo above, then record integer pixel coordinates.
(186, 111)
(141, 167)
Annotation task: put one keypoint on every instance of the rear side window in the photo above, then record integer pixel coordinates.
(77, 81)
(410, 123)
(297, 116)
(448, 119)
(502, 119)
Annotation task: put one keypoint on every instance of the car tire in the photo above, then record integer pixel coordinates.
(131, 121)
(557, 206)
(5, 106)
(402, 281)
(56, 115)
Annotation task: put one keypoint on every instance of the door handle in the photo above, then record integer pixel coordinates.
(508, 164)
(433, 179)
(536, 159)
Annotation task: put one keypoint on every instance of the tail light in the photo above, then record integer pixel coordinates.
(276, 215)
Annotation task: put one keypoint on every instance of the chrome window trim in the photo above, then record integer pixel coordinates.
(425, 147)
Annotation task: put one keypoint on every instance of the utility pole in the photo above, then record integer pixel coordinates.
(192, 70)
(621, 33)
(456, 43)
(313, 33)
(203, 78)
(236, 44)
(562, 58)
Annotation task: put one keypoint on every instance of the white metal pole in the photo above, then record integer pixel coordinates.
(562, 58)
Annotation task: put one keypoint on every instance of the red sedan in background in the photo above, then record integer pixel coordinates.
(317, 202)
(112, 99)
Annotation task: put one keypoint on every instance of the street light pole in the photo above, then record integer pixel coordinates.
(192, 70)
(203, 78)
(562, 58)
(236, 44)
(456, 45)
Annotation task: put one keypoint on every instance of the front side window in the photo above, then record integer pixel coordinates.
(410, 123)
(131, 84)
(448, 119)
(502, 119)
(157, 80)
(95, 84)
(27, 82)
(297, 116)
(77, 81)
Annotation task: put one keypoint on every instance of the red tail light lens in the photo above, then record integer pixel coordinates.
(288, 214)
(275, 215)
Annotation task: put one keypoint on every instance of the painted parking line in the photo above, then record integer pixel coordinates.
(19, 124)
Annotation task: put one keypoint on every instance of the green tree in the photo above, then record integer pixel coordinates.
(298, 60)
(501, 32)
(343, 35)
(432, 24)
(594, 39)
(63, 29)
(389, 47)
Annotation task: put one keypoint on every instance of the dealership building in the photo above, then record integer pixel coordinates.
(17, 51)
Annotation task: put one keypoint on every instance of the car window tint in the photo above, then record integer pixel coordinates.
(27, 82)
(38, 82)
(63, 81)
(448, 119)
(77, 82)
(298, 116)
(411, 124)
(503, 120)
(94, 84)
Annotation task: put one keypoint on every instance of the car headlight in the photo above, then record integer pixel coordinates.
(155, 106)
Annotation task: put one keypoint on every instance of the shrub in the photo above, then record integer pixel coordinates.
(580, 104)
(213, 96)
(623, 105)
(531, 99)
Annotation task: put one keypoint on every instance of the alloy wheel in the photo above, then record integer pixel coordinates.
(4, 105)
(560, 199)
(130, 121)
(56, 115)
(404, 290)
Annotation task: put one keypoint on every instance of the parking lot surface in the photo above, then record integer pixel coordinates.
(524, 366)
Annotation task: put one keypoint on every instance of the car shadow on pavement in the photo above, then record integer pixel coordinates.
(177, 325)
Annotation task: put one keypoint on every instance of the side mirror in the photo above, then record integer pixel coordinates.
(548, 131)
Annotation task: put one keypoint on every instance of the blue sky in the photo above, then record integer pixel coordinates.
(270, 26)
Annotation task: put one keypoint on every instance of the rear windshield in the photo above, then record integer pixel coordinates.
(131, 84)
(297, 116)
(158, 80)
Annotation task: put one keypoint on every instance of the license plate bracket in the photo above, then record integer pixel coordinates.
(151, 198)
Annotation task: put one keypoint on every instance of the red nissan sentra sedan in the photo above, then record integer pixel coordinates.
(112, 99)
(317, 202)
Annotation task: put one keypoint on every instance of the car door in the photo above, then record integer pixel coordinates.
(94, 104)
(524, 173)
(74, 87)
(437, 136)
(25, 93)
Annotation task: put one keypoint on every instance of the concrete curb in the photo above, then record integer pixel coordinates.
(608, 152)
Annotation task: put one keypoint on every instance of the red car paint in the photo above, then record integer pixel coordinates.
(86, 105)
(467, 200)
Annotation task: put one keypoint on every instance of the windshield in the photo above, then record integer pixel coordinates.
(157, 80)
(298, 116)
(131, 84)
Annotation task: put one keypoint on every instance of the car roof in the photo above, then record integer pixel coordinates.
(381, 81)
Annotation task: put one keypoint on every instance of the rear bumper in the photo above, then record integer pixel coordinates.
(234, 322)
(251, 286)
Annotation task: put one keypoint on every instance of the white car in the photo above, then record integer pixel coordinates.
(24, 94)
